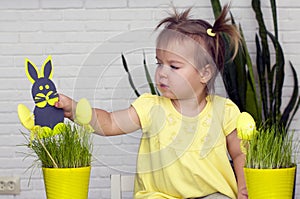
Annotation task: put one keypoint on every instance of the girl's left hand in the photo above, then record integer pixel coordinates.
(243, 194)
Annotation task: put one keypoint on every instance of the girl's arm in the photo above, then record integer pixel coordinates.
(103, 122)
(238, 158)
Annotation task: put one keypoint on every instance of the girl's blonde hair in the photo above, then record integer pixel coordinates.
(208, 36)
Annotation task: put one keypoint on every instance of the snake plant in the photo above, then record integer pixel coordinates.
(151, 85)
(261, 96)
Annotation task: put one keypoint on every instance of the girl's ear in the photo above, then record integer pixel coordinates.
(206, 73)
(31, 71)
(47, 69)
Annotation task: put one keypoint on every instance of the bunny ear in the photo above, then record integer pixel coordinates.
(31, 71)
(47, 69)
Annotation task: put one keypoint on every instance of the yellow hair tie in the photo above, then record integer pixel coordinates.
(210, 32)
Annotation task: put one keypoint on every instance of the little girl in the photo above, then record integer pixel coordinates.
(187, 131)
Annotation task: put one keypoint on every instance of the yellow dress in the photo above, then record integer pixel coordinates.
(184, 157)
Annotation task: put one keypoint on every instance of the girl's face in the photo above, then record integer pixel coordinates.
(176, 75)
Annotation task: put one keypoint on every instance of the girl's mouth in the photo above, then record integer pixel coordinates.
(163, 86)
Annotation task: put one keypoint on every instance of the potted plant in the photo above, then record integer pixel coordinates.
(257, 89)
(65, 155)
(270, 166)
(63, 150)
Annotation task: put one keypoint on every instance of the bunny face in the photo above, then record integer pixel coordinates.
(44, 93)
(43, 89)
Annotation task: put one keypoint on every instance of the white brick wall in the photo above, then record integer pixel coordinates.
(85, 39)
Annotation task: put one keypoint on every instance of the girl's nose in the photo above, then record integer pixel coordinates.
(163, 71)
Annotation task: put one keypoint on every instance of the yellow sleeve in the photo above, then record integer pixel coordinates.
(230, 116)
(142, 106)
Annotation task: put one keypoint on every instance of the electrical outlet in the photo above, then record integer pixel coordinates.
(9, 185)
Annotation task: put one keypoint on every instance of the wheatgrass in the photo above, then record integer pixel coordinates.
(270, 148)
(71, 147)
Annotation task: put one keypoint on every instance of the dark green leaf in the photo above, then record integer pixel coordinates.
(289, 108)
(129, 76)
(216, 7)
(252, 105)
(279, 75)
(274, 13)
(261, 77)
(148, 76)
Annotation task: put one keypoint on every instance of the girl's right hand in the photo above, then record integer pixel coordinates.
(68, 105)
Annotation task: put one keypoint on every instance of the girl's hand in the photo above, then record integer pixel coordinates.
(243, 194)
(68, 105)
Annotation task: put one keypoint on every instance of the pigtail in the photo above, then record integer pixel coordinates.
(221, 26)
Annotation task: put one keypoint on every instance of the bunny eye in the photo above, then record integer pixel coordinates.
(47, 86)
(41, 88)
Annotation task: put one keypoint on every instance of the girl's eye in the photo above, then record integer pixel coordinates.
(174, 67)
(158, 64)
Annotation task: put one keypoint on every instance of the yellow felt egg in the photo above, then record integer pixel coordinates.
(25, 116)
(83, 113)
(245, 126)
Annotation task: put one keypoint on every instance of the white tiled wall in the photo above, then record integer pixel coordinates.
(85, 39)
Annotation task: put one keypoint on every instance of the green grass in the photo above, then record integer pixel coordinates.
(70, 148)
(270, 149)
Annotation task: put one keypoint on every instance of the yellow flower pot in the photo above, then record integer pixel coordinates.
(270, 183)
(67, 183)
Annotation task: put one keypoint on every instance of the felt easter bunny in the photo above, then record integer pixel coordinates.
(44, 95)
